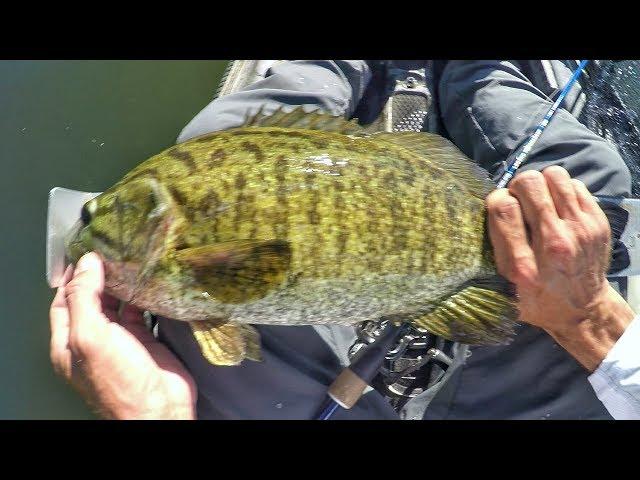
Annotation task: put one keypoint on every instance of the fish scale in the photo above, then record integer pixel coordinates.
(284, 225)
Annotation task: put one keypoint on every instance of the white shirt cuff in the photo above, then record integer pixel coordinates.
(617, 380)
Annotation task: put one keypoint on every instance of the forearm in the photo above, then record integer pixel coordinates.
(335, 86)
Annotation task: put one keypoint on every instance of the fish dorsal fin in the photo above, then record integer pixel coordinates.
(445, 155)
(300, 118)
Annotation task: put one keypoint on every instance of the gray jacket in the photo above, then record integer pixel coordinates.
(486, 108)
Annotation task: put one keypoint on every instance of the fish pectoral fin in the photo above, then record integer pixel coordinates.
(227, 344)
(240, 270)
(482, 312)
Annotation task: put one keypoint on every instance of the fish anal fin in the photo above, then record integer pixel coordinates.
(482, 312)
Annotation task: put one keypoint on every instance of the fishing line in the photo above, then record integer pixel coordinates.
(331, 407)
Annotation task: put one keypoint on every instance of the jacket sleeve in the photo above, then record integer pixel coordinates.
(617, 380)
(489, 107)
(335, 86)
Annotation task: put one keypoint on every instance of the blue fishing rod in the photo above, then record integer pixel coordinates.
(349, 386)
(521, 157)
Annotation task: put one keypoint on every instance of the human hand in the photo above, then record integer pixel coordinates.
(117, 365)
(559, 264)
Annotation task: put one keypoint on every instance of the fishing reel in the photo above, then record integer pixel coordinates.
(417, 361)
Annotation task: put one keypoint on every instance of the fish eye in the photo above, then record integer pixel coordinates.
(86, 212)
(85, 215)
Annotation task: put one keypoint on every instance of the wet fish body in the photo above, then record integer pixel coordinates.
(300, 219)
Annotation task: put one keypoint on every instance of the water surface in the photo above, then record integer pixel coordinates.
(81, 125)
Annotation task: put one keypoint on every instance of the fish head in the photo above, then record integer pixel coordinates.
(130, 226)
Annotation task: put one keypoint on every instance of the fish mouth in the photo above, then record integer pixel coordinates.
(112, 285)
(78, 243)
(74, 246)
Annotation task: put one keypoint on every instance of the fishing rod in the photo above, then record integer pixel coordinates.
(349, 386)
(521, 157)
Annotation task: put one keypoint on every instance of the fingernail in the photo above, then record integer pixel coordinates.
(67, 271)
(89, 261)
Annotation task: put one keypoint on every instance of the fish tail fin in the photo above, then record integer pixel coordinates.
(481, 312)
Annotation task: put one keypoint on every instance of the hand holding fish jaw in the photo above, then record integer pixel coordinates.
(116, 364)
(552, 240)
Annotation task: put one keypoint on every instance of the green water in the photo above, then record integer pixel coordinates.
(81, 125)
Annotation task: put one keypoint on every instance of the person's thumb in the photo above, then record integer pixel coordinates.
(83, 298)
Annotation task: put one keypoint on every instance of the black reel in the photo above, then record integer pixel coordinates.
(415, 363)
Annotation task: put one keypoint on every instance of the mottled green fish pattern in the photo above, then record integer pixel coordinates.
(297, 219)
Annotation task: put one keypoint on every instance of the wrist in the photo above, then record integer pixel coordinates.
(166, 412)
(590, 335)
(164, 409)
(157, 406)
